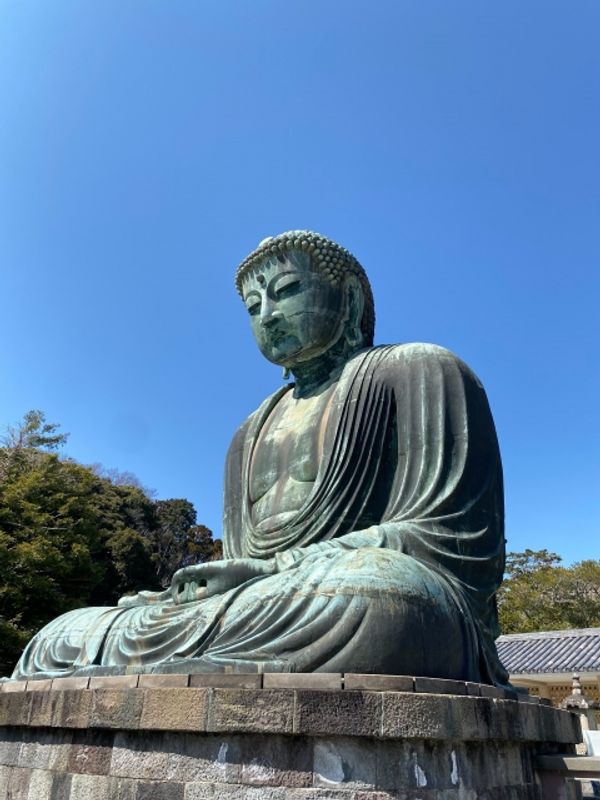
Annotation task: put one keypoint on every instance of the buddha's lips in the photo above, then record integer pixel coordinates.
(275, 337)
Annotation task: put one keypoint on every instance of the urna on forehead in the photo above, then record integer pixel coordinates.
(332, 260)
(264, 268)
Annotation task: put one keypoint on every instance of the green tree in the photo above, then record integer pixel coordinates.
(178, 541)
(125, 519)
(201, 546)
(34, 433)
(539, 593)
(73, 536)
(67, 539)
(48, 543)
(530, 561)
(23, 442)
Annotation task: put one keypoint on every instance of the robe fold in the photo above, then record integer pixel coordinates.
(391, 565)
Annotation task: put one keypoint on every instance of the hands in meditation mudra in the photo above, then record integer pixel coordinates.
(363, 520)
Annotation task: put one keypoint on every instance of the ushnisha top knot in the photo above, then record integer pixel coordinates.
(332, 260)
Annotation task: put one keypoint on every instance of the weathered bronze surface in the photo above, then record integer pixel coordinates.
(363, 522)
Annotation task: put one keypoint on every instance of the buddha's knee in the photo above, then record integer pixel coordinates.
(409, 616)
(374, 570)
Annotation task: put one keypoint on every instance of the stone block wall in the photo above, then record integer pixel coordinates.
(131, 739)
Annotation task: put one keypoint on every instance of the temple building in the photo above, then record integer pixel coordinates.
(544, 661)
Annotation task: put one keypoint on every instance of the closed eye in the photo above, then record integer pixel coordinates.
(253, 309)
(287, 290)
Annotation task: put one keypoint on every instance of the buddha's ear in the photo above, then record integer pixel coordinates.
(355, 304)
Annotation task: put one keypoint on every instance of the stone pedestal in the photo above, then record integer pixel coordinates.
(370, 738)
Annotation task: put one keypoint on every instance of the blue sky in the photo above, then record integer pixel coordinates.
(146, 147)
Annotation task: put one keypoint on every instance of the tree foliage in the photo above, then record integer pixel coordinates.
(539, 593)
(177, 540)
(72, 537)
(34, 432)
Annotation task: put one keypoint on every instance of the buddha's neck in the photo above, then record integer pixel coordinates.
(314, 376)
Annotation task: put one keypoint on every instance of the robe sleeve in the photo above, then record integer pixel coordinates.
(232, 494)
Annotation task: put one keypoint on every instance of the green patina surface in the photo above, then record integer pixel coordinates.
(363, 521)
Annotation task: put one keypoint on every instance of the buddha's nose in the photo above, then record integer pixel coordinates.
(269, 314)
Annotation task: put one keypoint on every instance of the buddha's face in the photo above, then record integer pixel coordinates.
(296, 314)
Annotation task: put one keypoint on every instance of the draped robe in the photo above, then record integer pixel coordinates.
(391, 565)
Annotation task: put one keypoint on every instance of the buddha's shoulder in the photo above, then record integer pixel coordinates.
(391, 362)
(252, 422)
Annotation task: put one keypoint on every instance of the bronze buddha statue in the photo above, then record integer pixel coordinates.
(363, 520)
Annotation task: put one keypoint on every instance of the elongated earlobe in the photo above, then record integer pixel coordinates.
(353, 337)
(355, 305)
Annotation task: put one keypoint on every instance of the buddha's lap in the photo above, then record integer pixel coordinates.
(367, 572)
(393, 597)
(383, 608)
(394, 579)
(358, 597)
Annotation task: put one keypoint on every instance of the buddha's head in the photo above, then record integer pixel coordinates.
(307, 296)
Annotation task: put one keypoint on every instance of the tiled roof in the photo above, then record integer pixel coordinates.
(551, 651)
